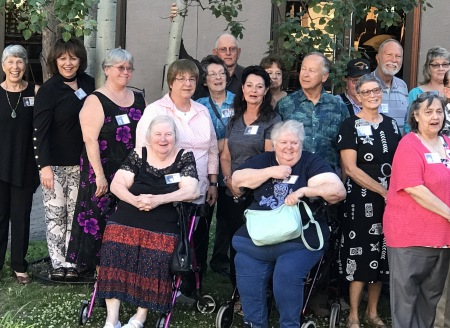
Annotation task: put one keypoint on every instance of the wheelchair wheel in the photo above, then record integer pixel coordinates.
(225, 316)
(309, 324)
(161, 321)
(335, 314)
(206, 304)
(83, 314)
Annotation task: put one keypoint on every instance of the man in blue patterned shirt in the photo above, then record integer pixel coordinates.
(320, 112)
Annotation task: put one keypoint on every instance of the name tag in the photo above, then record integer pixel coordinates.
(432, 158)
(227, 112)
(172, 178)
(28, 101)
(384, 108)
(251, 130)
(122, 119)
(363, 131)
(80, 94)
(291, 179)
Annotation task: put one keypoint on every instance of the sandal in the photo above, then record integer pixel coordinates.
(58, 274)
(353, 324)
(374, 321)
(134, 323)
(72, 274)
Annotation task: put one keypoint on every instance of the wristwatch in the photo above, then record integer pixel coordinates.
(213, 184)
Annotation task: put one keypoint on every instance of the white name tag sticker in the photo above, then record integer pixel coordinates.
(227, 112)
(172, 178)
(365, 130)
(432, 158)
(28, 101)
(122, 119)
(384, 108)
(251, 130)
(291, 179)
(80, 94)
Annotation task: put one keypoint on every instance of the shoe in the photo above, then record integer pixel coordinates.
(183, 299)
(110, 325)
(374, 321)
(58, 274)
(353, 324)
(134, 323)
(22, 279)
(72, 274)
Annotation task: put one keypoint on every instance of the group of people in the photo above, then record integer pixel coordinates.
(111, 168)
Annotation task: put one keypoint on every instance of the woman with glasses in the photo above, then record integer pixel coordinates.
(108, 121)
(196, 133)
(367, 143)
(274, 67)
(417, 218)
(437, 63)
(58, 144)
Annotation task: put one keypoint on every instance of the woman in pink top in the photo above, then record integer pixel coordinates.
(196, 133)
(416, 220)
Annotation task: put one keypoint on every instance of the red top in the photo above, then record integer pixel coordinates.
(405, 222)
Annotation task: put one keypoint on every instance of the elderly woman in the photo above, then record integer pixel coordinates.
(281, 177)
(274, 67)
(437, 63)
(367, 143)
(58, 144)
(18, 172)
(108, 121)
(220, 106)
(248, 134)
(417, 217)
(196, 134)
(140, 236)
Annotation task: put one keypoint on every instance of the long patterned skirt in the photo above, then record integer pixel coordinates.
(135, 266)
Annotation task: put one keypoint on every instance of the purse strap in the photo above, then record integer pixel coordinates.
(216, 111)
(306, 226)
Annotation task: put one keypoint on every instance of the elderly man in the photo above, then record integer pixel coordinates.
(320, 112)
(395, 91)
(355, 69)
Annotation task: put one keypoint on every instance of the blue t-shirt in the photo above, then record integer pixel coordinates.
(272, 193)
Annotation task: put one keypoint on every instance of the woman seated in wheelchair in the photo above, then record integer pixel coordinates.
(141, 235)
(281, 177)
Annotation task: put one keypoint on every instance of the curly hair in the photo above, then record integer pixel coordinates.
(211, 59)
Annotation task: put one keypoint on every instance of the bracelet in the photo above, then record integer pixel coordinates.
(226, 178)
(213, 184)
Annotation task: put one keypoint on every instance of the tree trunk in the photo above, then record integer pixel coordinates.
(175, 35)
(106, 35)
(50, 35)
(90, 44)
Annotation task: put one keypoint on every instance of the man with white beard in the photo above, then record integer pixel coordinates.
(395, 91)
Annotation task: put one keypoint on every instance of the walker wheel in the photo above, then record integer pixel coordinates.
(334, 315)
(83, 314)
(161, 321)
(225, 316)
(206, 304)
(309, 324)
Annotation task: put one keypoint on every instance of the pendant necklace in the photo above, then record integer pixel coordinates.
(13, 110)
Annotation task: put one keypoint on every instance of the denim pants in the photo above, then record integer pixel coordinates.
(288, 263)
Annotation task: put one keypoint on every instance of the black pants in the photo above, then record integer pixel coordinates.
(220, 261)
(15, 205)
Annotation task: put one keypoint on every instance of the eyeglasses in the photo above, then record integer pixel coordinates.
(375, 91)
(444, 65)
(218, 74)
(224, 50)
(123, 69)
(183, 80)
(425, 95)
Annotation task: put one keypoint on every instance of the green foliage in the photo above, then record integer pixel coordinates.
(326, 32)
(228, 9)
(33, 16)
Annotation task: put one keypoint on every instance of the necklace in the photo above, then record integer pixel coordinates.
(13, 110)
(119, 101)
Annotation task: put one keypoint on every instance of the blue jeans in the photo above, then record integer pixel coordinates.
(288, 263)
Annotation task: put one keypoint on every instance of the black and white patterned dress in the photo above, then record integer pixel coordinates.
(363, 255)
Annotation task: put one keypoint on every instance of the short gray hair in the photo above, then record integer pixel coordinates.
(216, 44)
(289, 126)
(117, 55)
(15, 50)
(161, 119)
(366, 78)
(326, 64)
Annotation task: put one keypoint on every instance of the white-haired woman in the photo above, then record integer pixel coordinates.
(108, 120)
(18, 172)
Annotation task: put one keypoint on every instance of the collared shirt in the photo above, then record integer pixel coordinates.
(395, 99)
(195, 134)
(321, 122)
(353, 108)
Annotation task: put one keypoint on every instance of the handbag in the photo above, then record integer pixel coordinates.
(281, 224)
(181, 263)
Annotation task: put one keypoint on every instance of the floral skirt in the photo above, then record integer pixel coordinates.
(135, 266)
